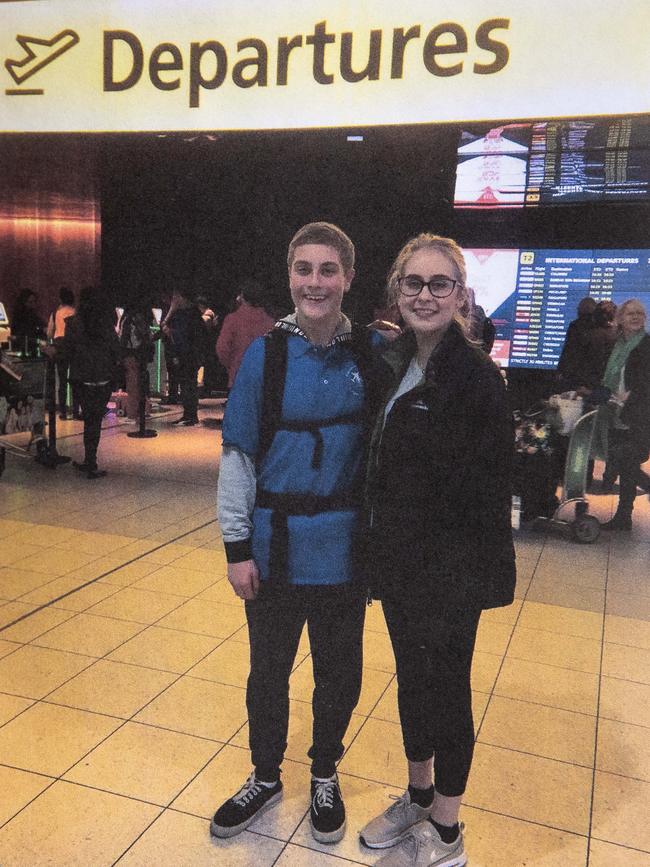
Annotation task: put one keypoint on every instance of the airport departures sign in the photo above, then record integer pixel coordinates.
(120, 65)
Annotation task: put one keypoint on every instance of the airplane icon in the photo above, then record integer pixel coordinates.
(38, 53)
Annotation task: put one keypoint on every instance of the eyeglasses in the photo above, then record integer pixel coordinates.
(439, 286)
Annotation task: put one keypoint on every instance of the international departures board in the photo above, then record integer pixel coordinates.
(532, 295)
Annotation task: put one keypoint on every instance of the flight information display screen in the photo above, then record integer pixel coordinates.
(532, 295)
(533, 164)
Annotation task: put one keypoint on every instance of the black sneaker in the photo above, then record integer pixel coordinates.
(238, 812)
(327, 813)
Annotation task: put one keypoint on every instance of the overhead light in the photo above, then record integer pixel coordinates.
(355, 138)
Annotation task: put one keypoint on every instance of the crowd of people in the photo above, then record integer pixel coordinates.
(606, 360)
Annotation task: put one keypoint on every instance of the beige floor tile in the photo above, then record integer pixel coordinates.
(568, 621)
(165, 554)
(94, 636)
(10, 528)
(229, 663)
(15, 552)
(623, 749)
(378, 651)
(620, 812)
(198, 707)
(125, 576)
(529, 787)
(178, 839)
(628, 631)
(624, 701)
(94, 543)
(225, 775)
(143, 762)
(300, 732)
(165, 649)
(36, 624)
(33, 672)
(485, 668)
(504, 614)
(543, 731)
(44, 535)
(85, 597)
(493, 637)
(205, 618)
(222, 592)
(18, 788)
(112, 688)
(496, 841)
(546, 684)
(377, 753)
(140, 606)
(552, 648)
(62, 827)
(626, 605)
(582, 575)
(48, 739)
(173, 579)
(628, 663)
(11, 611)
(7, 647)
(53, 590)
(55, 562)
(375, 620)
(568, 595)
(212, 562)
(16, 583)
(631, 584)
(607, 855)
(374, 682)
(11, 706)
(297, 856)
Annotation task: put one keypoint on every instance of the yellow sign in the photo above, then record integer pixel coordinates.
(119, 65)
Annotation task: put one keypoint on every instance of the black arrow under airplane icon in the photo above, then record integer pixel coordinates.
(38, 53)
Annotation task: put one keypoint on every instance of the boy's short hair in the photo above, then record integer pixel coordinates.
(324, 233)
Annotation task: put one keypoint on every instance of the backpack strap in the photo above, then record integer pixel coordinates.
(274, 376)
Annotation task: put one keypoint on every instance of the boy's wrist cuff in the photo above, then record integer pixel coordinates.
(238, 552)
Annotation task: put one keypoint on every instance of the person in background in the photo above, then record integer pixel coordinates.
(27, 327)
(55, 331)
(481, 327)
(137, 351)
(208, 356)
(440, 539)
(184, 326)
(249, 320)
(288, 501)
(623, 423)
(575, 355)
(91, 347)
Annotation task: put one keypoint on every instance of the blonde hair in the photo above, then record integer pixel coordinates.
(324, 233)
(454, 255)
(618, 318)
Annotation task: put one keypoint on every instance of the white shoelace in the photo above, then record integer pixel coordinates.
(248, 791)
(324, 794)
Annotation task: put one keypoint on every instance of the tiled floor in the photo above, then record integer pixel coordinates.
(123, 661)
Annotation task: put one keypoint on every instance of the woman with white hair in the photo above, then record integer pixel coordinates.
(626, 417)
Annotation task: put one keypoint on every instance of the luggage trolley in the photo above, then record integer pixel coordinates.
(572, 513)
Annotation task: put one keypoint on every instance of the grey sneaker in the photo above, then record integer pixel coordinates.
(422, 847)
(390, 827)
